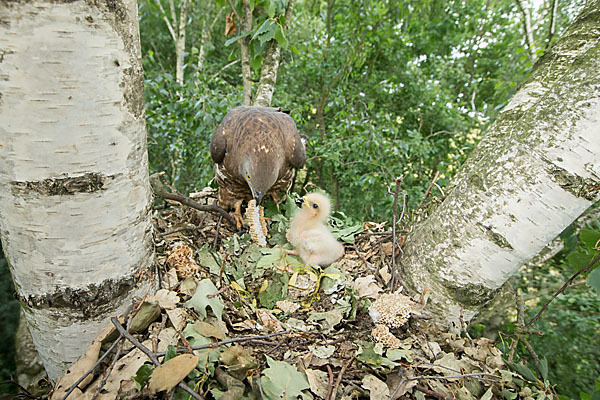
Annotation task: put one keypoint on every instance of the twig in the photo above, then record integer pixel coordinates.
(216, 241)
(364, 260)
(23, 390)
(428, 191)
(339, 378)
(478, 375)
(180, 229)
(234, 10)
(562, 289)
(463, 326)
(110, 368)
(431, 393)
(330, 388)
(228, 341)
(224, 68)
(160, 191)
(89, 371)
(152, 356)
(395, 214)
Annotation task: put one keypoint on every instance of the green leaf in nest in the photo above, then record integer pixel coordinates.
(524, 371)
(283, 381)
(275, 290)
(206, 296)
(142, 376)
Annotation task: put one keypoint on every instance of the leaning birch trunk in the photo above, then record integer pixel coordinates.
(75, 201)
(536, 170)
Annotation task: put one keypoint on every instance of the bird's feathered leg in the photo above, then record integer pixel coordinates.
(237, 214)
(277, 199)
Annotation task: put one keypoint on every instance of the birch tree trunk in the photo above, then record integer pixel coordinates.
(268, 72)
(75, 201)
(536, 170)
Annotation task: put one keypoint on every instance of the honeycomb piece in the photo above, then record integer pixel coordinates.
(181, 257)
(391, 309)
(255, 216)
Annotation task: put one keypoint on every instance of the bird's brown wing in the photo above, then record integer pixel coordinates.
(298, 154)
(218, 145)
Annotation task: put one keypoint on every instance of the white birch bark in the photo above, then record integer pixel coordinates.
(74, 193)
(180, 42)
(536, 170)
(268, 72)
(268, 75)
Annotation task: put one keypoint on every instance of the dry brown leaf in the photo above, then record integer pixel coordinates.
(124, 369)
(366, 286)
(230, 27)
(80, 367)
(209, 330)
(188, 286)
(378, 390)
(166, 299)
(169, 374)
(178, 318)
(318, 381)
(268, 320)
(287, 306)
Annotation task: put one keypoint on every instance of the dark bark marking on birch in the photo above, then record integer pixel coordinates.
(470, 295)
(92, 301)
(87, 183)
(497, 238)
(578, 186)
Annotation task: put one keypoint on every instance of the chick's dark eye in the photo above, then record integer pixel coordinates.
(315, 206)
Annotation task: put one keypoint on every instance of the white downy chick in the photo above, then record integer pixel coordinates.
(309, 234)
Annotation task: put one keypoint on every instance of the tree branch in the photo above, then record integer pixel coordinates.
(169, 26)
(563, 288)
(159, 190)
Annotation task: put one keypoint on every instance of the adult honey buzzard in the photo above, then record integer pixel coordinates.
(256, 150)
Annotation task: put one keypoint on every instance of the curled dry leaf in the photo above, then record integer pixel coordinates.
(230, 27)
(287, 306)
(169, 374)
(81, 366)
(318, 381)
(269, 321)
(378, 390)
(366, 287)
(166, 299)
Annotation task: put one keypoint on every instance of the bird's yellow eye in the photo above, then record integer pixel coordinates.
(247, 176)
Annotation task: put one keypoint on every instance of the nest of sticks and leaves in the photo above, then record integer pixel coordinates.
(232, 320)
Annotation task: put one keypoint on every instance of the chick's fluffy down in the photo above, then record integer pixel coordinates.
(318, 246)
(309, 234)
